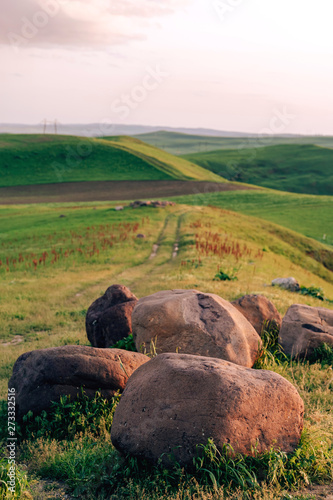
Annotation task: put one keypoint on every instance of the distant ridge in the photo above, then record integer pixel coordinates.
(100, 130)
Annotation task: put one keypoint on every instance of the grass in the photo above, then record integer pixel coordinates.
(41, 159)
(291, 167)
(46, 304)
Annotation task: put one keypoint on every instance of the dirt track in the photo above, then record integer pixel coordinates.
(108, 191)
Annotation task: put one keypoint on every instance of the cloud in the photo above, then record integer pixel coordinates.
(79, 23)
(146, 8)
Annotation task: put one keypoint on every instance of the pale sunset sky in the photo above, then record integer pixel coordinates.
(229, 65)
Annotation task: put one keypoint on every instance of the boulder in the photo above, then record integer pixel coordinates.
(259, 311)
(42, 376)
(287, 284)
(109, 318)
(176, 401)
(304, 329)
(191, 322)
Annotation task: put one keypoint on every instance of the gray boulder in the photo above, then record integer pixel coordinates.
(287, 283)
(304, 329)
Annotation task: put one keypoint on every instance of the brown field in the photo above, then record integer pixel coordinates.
(108, 191)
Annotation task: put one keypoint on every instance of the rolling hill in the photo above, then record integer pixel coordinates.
(180, 143)
(289, 167)
(41, 159)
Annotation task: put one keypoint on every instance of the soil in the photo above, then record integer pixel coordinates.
(109, 191)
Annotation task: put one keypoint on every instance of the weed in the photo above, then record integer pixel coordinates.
(323, 355)
(21, 482)
(126, 343)
(95, 470)
(270, 350)
(222, 276)
(68, 418)
(312, 291)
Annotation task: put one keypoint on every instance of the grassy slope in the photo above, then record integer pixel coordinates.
(39, 159)
(296, 168)
(174, 165)
(307, 214)
(47, 306)
(181, 144)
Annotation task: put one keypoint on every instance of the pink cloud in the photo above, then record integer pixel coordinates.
(78, 23)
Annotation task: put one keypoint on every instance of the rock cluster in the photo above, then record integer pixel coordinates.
(200, 385)
(155, 204)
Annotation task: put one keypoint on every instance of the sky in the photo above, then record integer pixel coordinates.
(259, 66)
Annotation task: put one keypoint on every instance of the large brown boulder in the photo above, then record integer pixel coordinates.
(259, 311)
(45, 375)
(304, 329)
(177, 401)
(191, 322)
(109, 318)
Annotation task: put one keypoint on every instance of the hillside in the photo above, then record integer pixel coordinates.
(180, 143)
(41, 159)
(55, 267)
(309, 215)
(295, 168)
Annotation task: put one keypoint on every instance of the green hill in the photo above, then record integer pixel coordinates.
(181, 144)
(295, 168)
(42, 159)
